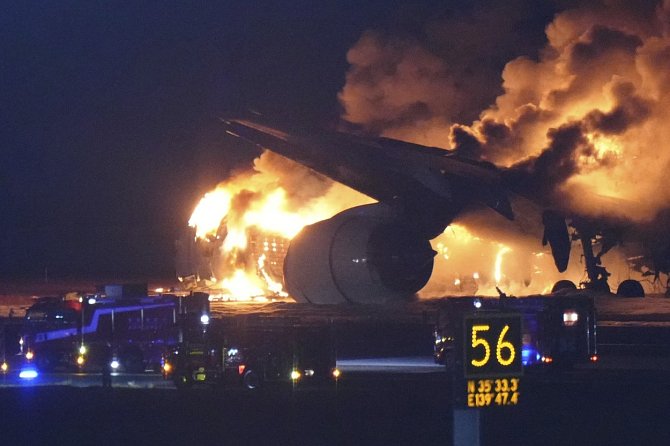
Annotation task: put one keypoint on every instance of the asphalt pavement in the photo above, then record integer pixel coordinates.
(624, 398)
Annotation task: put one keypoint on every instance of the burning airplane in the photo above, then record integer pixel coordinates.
(573, 152)
(373, 252)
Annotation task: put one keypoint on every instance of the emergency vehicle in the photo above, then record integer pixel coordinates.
(129, 331)
(557, 330)
(253, 356)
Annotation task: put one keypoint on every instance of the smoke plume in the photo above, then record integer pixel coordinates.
(415, 85)
(582, 116)
(578, 119)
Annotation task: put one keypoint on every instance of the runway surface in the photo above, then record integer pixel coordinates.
(384, 398)
(576, 408)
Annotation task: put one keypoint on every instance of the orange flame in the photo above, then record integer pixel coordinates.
(470, 264)
(250, 220)
(209, 212)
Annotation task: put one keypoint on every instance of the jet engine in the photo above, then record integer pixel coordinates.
(366, 254)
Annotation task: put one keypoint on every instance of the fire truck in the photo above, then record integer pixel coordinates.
(254, 356)
(557, 330)
(128, 331)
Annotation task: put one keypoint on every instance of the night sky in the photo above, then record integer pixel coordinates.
(109, 114)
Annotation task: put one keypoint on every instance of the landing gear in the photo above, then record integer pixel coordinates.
(563, 285)
(588, 236)
(251, 380)
(630, 288)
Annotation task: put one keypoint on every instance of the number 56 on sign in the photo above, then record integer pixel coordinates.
(492, 345)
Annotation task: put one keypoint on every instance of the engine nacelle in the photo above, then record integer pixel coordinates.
(366, 254)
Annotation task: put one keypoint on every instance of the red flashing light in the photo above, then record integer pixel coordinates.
(594, 358)
(240, 368)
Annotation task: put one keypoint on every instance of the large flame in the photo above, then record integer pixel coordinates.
(246, 223)
(209, 212)
(470, 264)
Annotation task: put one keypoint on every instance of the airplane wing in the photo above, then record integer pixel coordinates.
(430, 184)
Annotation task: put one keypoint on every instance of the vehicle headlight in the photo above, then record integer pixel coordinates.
(295, 375)
(114, 364)
(167, 367)
(570, 318)
(336, 373)
(204, 319)
(4, 367)
(30, 355)
(80, 360)
(28, 374)
(82, 349)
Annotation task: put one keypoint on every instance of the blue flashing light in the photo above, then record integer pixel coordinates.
(528, 353)
(28, 374)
